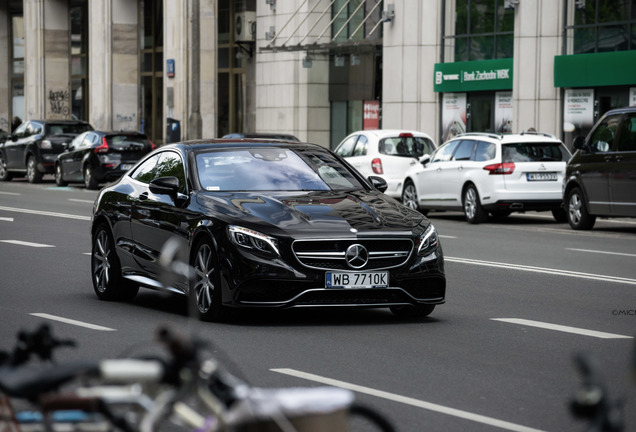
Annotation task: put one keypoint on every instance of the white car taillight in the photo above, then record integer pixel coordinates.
(376, 165)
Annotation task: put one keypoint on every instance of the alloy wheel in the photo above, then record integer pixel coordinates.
(574, 208)
(101, 261)
(470, 203)
(204, 278)
(409, 196)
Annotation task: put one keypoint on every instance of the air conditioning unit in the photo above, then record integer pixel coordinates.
(245, 26)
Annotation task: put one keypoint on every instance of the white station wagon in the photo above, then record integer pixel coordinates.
(492, 174)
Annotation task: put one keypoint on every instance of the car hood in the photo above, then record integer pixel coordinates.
(312, 213)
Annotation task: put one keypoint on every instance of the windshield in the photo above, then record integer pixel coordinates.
(65, 128)
(535, 152)
(273, 169)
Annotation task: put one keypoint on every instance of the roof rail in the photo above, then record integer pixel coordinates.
(533, 132)
(488, 134)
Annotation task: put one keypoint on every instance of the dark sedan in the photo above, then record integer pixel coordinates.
(96, 157)
(266, 224)
(33, 147)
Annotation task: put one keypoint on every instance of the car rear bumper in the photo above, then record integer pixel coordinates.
(523, 205)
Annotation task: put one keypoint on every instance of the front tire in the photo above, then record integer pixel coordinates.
(5, 175)
(205, 286)
(33, 175)
(409, 196)
(106, 269)
(59, 176)
(578, 216)
(473, 209)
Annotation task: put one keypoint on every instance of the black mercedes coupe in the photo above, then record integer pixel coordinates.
(266, 224)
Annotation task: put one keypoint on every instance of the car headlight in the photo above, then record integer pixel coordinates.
(250, 239)
(428, 241)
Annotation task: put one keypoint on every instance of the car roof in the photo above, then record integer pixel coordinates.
(382, 133)
(621, 110)
(270, 135)
(49, 121)
(509, 138)
(205, 144)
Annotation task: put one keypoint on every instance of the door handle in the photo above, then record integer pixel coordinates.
(460, 168)
(619, 158)
(143, 196)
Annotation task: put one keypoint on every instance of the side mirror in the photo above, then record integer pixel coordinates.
(168, 186)
(425, 159)
(379, 183)
(579, 143)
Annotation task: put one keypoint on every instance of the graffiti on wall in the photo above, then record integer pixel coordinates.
(59, 103)
(126, 121)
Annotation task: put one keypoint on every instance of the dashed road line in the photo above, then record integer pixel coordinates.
(24, 243)
(562, 328)
(81, 200)
(45, 213)
(601, 252)
(6, 219)
(409, 401)
(10, 193)
(71, 321)
(556, 272)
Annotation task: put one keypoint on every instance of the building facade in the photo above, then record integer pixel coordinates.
(318, 69)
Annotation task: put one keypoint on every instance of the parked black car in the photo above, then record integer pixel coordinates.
(266, 224)
(96, 157)
(600, 178)
(31, 150)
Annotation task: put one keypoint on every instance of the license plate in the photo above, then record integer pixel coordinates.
(541, 176)
(126, 167)
(357, 280)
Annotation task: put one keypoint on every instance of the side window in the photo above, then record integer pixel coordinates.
(444, 153)
(20, 132)
(602, 139)
(485, 151)
(628, 134)
(361, 146)
(145, 172)
(464, 150)
(170, 165)
(346, 148)
(89, 140)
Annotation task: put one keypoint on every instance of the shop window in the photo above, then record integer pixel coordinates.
(601, 26)
(481, 30)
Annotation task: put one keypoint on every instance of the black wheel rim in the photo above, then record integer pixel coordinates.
(101, 261)
(204, 278)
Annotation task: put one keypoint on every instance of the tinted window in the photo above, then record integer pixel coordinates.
(272, 169)
(602, 139)
(165, 164)
(485, 151)
(628, 134)
(346, 148)
(464, 151)
(535, 152)
(407, 146)
(66, 128)
(445, 152)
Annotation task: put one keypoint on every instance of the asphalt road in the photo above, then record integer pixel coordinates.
(523, 296)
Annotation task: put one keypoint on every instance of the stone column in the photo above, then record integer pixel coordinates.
(5, 67)
(125, 65)
(46, 70)
(207, 73)
(411, 47)
(100, 56)
(538, 40)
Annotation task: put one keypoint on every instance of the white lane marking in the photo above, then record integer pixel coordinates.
(556, 272)
(447, 236)
(10, 193)
(44, 213)
(23, 243)
(409, 401)
(6, 219)
(601, 252)
(71, 321)
(562, 328)
(81, 200)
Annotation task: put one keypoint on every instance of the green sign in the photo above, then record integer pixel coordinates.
(593, 70)
(474, 75)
